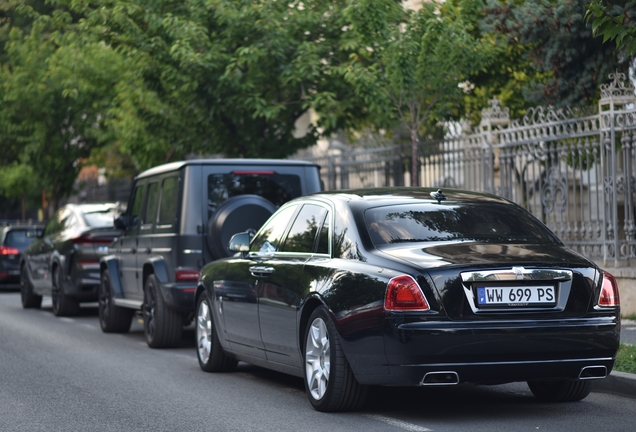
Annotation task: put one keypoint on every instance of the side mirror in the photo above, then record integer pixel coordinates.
(120, 222)
(240, 242)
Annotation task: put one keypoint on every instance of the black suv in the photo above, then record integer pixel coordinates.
(181, 216)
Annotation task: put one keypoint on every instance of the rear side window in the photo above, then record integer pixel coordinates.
(488, 222)
(169, 200)
(277, 188)
(302, 235)
(17, 239)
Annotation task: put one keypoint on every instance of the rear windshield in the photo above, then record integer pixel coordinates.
(277, 188)
(488, 222)
(17, 238)
(101, 219)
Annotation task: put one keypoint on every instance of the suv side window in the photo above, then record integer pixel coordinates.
(302, 235)
(135, 208)
(152, 203)
(169, 201)
(268, 239)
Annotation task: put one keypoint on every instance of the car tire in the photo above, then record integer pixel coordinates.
(63, 305)
(212, 357)
(162, 325)
(112, 318)
(30, 300)
(238, 214)
(329, 380)
(571, 390)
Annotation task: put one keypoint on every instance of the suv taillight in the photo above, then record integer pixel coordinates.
(403, 293)
(609, 292)
(86, 239)
(187, 275)
(7, 250)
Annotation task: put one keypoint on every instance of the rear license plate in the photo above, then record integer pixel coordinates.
(516, 296)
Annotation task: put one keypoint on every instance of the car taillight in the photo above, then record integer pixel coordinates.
(609, 292)
(7, 250)
(187, 275)
(86, 239)
(403, 293)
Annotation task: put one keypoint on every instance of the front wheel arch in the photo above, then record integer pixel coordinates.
(310, 305)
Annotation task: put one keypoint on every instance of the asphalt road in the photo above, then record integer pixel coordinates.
(64, 374)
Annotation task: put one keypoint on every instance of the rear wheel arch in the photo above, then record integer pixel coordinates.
(310, 305)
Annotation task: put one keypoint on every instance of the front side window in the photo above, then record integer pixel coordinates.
(152, 204)
(302, 235)
(268, 239)
(56, 224)
(135, 208)
(169, 201)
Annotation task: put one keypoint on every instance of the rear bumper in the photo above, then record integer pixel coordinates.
(179, 296)
(498, 351)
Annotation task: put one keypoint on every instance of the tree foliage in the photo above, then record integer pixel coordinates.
(409, 66)
(570, 63)
(615, 21)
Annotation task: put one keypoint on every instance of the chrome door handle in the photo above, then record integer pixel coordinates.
(261, 270)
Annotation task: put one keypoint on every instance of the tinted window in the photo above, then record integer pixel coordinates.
(431, 222)
(100, 219)
(152, 204)
(169, 197)
(269, 237)
(56, 224)
(323, 239)
(135, 209)
(302, 235)
(18, 239)
(277, 188)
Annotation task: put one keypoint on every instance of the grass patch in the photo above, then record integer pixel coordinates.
(629, 317)
(626, 359)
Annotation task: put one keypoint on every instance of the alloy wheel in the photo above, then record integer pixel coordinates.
(204, 331)
(317, 359)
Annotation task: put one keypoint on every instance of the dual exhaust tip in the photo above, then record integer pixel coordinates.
(446, 378)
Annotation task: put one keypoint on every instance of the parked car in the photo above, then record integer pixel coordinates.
(181, 216)
(408, 287)
(13, 240)
(63, 261)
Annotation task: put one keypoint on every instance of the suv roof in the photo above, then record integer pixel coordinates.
(178, 165)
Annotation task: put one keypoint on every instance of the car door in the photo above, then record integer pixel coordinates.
(146, 231)
(280, 290)
(238, 292)
(127, 244)
(41, 251)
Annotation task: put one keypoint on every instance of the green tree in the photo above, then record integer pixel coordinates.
(615, 21)
(56, 92)
(409, 66)
(567, 62)
(17, 181)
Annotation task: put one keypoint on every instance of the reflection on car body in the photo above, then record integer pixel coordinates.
(395, 287)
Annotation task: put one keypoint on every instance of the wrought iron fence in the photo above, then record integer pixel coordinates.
(574, 171)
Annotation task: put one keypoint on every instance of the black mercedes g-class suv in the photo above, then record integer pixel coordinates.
(181, 216)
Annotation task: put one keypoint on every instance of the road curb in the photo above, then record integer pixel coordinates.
(617, 383)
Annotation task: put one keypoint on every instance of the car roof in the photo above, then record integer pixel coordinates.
(372, 197)
(174, 166)
(93, 207)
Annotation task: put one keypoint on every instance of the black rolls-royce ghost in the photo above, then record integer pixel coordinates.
(408, 286)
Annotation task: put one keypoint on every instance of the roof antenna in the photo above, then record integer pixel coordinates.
(439, 196)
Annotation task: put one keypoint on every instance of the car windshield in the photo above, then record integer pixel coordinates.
(490, 222)
(17, 238)
(100, 219)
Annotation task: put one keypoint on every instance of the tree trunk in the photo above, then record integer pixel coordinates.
(414, 168)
